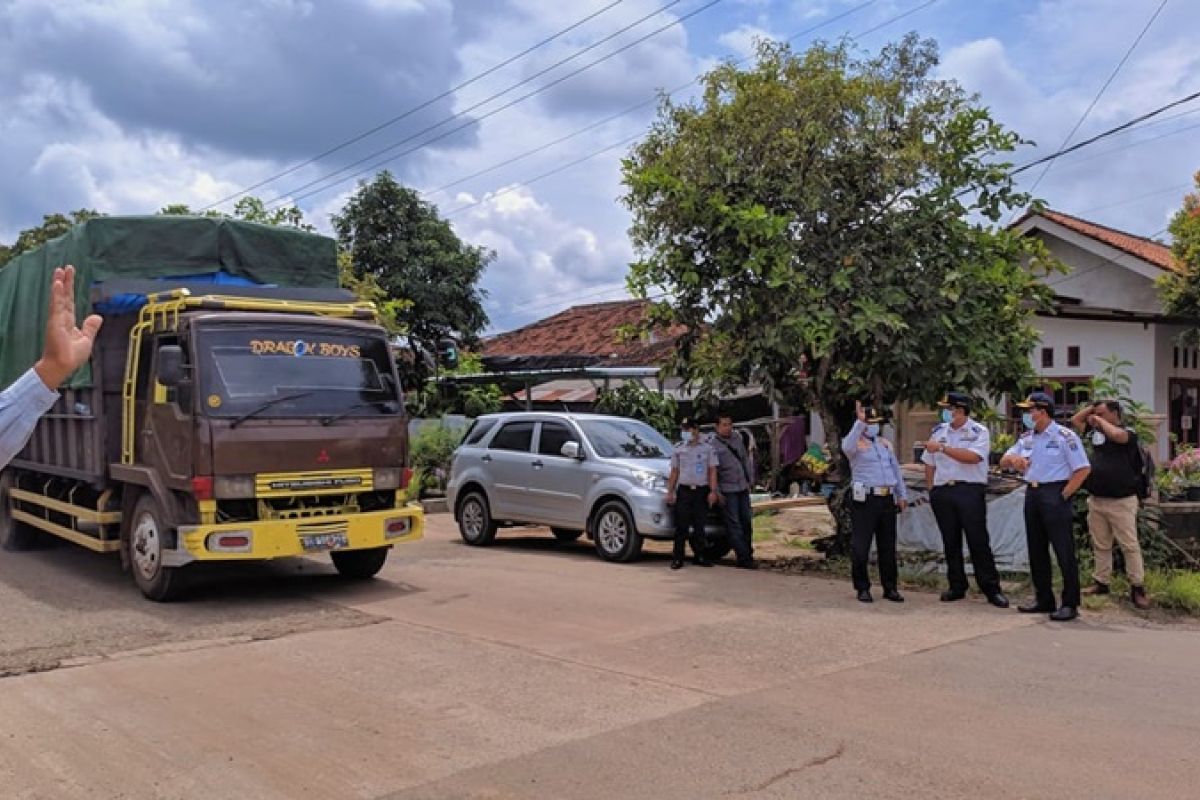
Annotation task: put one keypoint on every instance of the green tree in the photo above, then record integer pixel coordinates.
(53, 226)
(828, 224)
(1180, 291)
(636, 400)
(249, 209)
(398, 240)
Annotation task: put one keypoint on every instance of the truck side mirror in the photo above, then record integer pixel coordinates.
(571, 450)
(170, 365)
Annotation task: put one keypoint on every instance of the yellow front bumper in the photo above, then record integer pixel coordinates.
(283, 538)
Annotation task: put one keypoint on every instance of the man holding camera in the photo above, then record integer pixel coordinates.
(1113, 496)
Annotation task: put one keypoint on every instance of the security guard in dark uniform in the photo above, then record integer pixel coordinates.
(878, 494)
(692, 490)
(1054, 464)
(956, 472)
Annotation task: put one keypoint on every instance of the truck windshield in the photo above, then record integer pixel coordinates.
(281, 371)
(625, 439)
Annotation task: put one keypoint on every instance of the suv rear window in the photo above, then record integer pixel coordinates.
(513, 436)
(479, 429)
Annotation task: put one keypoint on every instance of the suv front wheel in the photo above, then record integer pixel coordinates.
(614, 533)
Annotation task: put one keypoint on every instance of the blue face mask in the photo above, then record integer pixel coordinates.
(872, 430)
(1027, 420)
(947, 415)
(685, 435)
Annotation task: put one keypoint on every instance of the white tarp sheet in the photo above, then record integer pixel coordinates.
(917, 530)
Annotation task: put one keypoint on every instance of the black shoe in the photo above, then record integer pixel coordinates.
(1098, 588)
(1064, 614)
(949, 596)
(865, 596)
(1035, 608)
(893, 595)
(702, 562)
(677, 564)
(752, 564)
(998, 600)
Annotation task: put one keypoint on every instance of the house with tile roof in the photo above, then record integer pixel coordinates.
(1107, 304)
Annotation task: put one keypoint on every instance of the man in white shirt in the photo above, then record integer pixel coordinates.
(956, 472)
(68, 346)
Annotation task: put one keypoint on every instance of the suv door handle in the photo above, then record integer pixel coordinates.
(486, 459)
(538, 464)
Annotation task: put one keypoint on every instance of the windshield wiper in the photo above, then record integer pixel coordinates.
(385, 403)
(264, 406)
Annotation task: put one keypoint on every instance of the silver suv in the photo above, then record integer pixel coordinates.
(602, 476)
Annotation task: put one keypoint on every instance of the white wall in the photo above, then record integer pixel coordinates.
(1100, 283)
(1133, 341)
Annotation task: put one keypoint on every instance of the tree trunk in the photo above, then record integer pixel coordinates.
(839, 501)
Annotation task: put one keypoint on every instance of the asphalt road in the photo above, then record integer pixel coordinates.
(533, 670)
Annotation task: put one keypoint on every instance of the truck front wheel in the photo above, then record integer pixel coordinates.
(147, 542)
(360, 564)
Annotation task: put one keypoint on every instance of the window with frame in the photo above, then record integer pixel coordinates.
(517, 436)
(554, 435)
(1047, 357)
(479, 429)
(1073, 356)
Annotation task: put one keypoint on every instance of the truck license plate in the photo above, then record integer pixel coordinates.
(324, 541)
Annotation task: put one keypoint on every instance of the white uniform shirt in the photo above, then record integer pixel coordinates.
(971, 436)
(21, 405)
(1054, 454)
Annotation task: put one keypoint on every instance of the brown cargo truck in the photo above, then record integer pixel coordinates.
(222, 424)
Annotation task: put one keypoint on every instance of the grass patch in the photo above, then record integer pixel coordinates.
(801, 544)
(1177, 590)
(764, 526)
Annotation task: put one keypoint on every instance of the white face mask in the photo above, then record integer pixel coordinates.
(1098, 438)
(873, 430)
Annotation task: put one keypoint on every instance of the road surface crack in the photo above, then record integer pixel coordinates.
(787, 773)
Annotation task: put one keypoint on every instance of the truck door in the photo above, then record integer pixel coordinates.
(167, 436)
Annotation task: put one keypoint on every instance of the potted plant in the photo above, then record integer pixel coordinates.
(1169, 485)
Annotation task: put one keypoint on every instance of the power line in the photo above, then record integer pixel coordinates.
(421, 107)
(1100, 93)
(1179, 187)
(299, 193)
(650, 101)
(1077, 162)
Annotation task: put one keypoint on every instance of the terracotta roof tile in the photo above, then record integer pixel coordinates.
(586, 330)
(1148, 250)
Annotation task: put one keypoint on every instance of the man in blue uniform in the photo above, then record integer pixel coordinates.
(878, 494)
(692, 490)
(956, 472)
(1054, 464)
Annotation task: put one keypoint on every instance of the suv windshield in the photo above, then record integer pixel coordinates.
(612, 438)
(284, 371)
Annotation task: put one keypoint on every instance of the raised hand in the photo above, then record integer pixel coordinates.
(68, 345)
(859, 411)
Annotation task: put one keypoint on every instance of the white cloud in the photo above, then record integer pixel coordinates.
(743, 40)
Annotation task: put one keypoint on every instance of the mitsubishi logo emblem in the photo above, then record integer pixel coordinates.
(323, 456)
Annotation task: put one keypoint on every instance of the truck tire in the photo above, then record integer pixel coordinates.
(614, 534)
(13, 535)
(148, 534)
(475, 523)
(360, 564)
(566, 534)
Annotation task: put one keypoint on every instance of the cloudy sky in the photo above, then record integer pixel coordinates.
(128, 105)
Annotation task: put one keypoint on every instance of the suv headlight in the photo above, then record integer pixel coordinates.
(651, 481)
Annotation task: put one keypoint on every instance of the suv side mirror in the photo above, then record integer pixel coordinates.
(170, 365)
(572, 450)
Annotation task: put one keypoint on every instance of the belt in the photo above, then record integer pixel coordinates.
(961, 483)
(691, 486)
(880, 491)
(1046, 484)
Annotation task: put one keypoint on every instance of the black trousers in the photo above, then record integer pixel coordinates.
(961, 510)
(1048, 520)
(691, 510)
(874, 518)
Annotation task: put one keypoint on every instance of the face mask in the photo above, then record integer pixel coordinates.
(947, 416)
(685, 435)
(872, 430)
(1098, 438)
(1027, 420)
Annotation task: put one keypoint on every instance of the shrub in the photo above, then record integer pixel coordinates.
(430, 454)
(1179, 590)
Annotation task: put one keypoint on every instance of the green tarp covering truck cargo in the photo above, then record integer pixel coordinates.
(238, 406)
(161, 247)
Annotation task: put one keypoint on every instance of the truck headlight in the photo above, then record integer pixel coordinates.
(386, 478)
(651, 481)
(233, 486)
